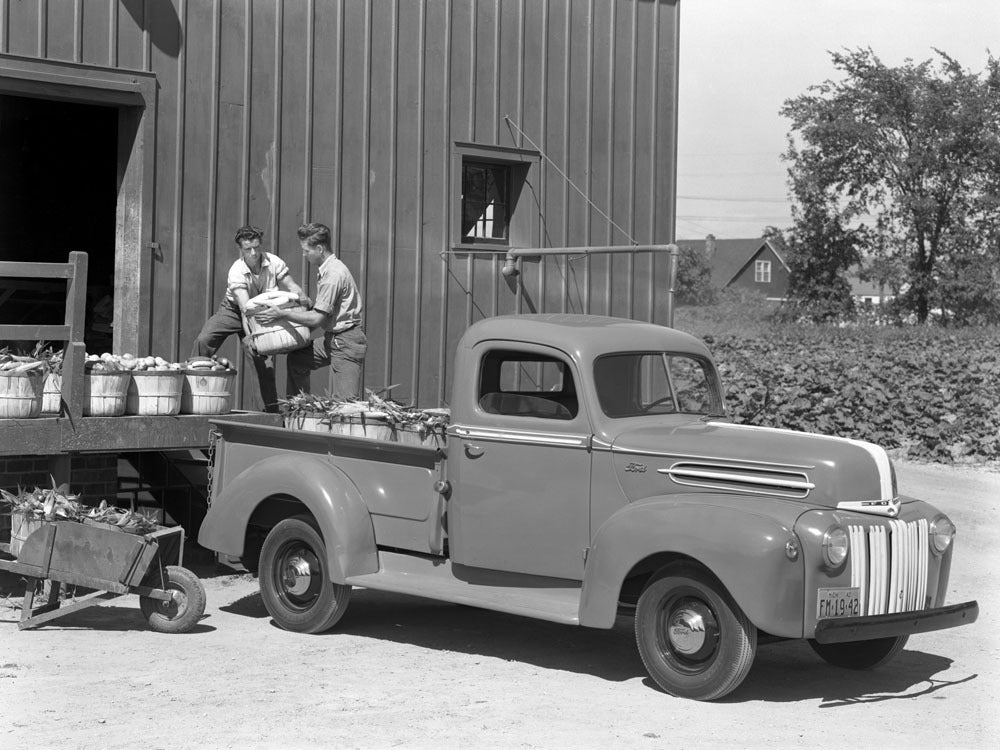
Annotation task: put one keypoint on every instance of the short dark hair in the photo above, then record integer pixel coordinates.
(247, 233)
(314, 234)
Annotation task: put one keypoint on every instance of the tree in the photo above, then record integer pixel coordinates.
(820, 249)
(912, 149)
(694, 278)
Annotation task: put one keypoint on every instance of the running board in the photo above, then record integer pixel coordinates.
(552, 599)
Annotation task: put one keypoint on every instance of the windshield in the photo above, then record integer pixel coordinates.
(645, 383)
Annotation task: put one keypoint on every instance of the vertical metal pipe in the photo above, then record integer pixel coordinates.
(43, 26)
(113, 34)
(674, 252)
(418, 250)
(4, 27)
(445, 265)
(275, 207)
(78, 31)
(247, 113)
(178, 221)
(307, 160)
(390, 244)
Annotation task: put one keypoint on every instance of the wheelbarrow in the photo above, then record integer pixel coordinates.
(112, 563)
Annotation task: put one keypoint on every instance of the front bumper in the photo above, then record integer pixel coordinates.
(845, 629)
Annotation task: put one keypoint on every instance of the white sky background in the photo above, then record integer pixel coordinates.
(741, 59)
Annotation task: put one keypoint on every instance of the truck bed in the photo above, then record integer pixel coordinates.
(395, 479)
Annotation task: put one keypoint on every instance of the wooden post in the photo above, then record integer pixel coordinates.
(75, 351)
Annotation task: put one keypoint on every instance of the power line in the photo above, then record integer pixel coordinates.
(730, 200)
(740, 219)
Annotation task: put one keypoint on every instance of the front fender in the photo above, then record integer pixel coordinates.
(740, 540)
(323, 488)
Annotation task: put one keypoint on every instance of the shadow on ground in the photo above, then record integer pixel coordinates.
(783, 672)
(106, 618)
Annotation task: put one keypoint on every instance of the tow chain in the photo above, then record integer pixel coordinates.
(213, 436)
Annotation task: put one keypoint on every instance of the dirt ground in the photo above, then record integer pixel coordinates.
(406, 672)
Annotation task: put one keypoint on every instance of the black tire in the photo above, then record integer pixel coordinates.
(295, 582)
(860, 654)
(693, 638)
(183, 613)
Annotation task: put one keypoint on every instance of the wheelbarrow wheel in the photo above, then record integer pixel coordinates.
(187, 607)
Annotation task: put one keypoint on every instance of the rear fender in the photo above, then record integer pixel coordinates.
(734, 538)
(324, 489)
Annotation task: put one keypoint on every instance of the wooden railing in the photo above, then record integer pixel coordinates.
(70, 332)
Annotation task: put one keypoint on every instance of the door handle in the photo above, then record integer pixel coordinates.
(473, 451)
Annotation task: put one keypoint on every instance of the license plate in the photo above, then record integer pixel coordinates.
(837, 603)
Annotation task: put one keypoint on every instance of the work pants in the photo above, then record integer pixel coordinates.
(226, 321)
(343, 352)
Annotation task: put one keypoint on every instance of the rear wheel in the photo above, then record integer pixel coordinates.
(694, 640)
(295, 583)
(183, 611)
(860, 654)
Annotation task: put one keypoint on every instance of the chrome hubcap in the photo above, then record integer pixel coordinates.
(687, 631)
(296, 576)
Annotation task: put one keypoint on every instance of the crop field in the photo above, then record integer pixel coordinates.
(924, 393)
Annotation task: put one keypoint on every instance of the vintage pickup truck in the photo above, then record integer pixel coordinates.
(590, 472)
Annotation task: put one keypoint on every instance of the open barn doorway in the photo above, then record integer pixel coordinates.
(58, 192)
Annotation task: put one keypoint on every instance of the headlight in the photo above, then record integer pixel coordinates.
(835, 546)
(942, 532)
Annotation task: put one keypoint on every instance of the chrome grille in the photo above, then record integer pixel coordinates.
(889, 566)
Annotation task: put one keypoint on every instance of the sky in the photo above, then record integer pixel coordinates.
(741, 59)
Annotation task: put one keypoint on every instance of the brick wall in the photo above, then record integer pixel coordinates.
(93, 477)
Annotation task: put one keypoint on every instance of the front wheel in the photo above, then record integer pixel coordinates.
(295, 582)
(860, 654)
(694, 640)
(183, 611)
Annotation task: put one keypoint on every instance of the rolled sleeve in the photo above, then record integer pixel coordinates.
(278, 267)
(237, 276)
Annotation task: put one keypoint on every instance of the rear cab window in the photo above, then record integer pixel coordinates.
(527, 384)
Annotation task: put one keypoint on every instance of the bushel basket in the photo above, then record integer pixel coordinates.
(281, 337)
(21, 395)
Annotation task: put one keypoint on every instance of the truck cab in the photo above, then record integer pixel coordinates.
(589, 471)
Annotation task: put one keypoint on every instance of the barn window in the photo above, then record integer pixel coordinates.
(762, 271)
(493, 187)
(485, 200)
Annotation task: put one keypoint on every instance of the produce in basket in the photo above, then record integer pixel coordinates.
(108, 362)
(18, 364)
(57, 504)
(425, 422)
(214, 362)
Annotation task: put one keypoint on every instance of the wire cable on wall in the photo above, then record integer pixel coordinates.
(511, 123)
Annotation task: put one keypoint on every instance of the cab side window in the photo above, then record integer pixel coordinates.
(526, 384)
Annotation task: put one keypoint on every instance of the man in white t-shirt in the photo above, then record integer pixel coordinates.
(337, 310)
(255, 272)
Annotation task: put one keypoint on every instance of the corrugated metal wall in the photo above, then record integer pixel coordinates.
(345, 111)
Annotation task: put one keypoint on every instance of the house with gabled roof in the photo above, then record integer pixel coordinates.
(867, 292)
(757, 263)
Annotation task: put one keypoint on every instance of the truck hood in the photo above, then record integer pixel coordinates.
(720, 457)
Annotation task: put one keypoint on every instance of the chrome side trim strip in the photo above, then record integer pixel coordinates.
(599, 445)
(744, 478)
(521, 436)
(719, 459)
